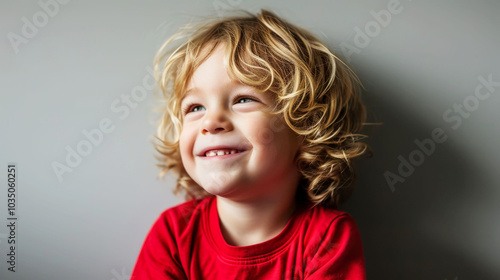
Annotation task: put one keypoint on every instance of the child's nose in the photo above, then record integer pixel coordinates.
(216, 122)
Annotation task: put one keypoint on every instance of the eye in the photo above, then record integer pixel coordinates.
(245, 100)
(192, 108)
(197, 108)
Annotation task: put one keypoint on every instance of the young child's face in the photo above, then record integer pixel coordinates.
(229, 144)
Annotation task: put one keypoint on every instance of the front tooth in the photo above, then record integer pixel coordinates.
(210, 154)
(220, 153)
(233, 151)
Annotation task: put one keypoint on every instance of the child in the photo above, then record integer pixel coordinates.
(260, 124)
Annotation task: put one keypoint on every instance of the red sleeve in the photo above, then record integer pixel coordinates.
(159, 257)
(339, 254)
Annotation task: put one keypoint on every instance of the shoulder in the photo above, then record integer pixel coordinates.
(323, 218)
(163, 248)
(333, 245)
(185, 212)
(329, 227)
(177, 219)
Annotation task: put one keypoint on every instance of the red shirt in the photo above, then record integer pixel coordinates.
(186, 243)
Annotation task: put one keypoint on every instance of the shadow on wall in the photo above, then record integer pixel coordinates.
(406, 227)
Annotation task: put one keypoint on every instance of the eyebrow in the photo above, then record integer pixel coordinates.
(190, 92)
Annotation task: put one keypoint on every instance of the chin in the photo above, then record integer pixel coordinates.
(214, 187)
(222, 190)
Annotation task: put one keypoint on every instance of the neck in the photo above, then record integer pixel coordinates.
(253, 221)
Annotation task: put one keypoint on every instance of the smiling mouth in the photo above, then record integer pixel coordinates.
(222, 152)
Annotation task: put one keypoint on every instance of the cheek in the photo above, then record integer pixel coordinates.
(182, 144)
(265, 140)
(278, 146)
(270, 132)
(186, 144)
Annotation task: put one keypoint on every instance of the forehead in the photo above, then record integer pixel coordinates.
(211, 72)
(204, 63)
(214, 75)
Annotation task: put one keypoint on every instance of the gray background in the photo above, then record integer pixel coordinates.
(440, 223)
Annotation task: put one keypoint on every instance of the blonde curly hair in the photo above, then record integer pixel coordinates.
(317, 94)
